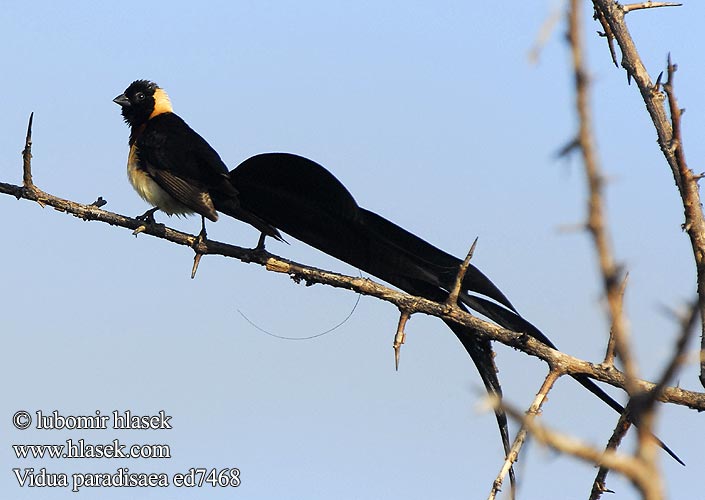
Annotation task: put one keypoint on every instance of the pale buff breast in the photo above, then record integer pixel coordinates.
(149, 190)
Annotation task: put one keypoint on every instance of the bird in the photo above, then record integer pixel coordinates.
(173, 168)
(178, 172)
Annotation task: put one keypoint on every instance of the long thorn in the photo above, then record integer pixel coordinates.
(400, 337)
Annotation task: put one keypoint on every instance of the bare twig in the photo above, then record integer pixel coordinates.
(27, 156)
(520, 438)
(648, 5)
(544, 34)
(599, 485)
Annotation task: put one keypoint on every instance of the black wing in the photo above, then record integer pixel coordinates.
(183, 164)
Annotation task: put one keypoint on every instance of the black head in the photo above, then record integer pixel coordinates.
(141, 101)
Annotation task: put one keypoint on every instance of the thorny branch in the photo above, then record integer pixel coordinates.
(298, 272)
(611, 15)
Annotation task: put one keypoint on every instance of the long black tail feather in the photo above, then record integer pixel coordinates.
(304, 200)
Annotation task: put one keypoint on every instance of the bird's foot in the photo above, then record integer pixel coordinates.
(147, 220)
(148, 216)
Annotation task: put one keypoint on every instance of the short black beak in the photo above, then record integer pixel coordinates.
(122, 100)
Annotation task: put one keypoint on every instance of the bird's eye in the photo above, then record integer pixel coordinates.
(139, 96)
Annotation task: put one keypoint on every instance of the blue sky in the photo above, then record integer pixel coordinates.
(431, 114)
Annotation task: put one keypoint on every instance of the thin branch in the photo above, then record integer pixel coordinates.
(520, 438)
(599, 484)
(544, 34)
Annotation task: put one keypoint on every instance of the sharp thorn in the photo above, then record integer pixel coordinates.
(196, 261)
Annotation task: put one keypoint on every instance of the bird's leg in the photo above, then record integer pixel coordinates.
(260, 243)
(202, 236)
(148, 220)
